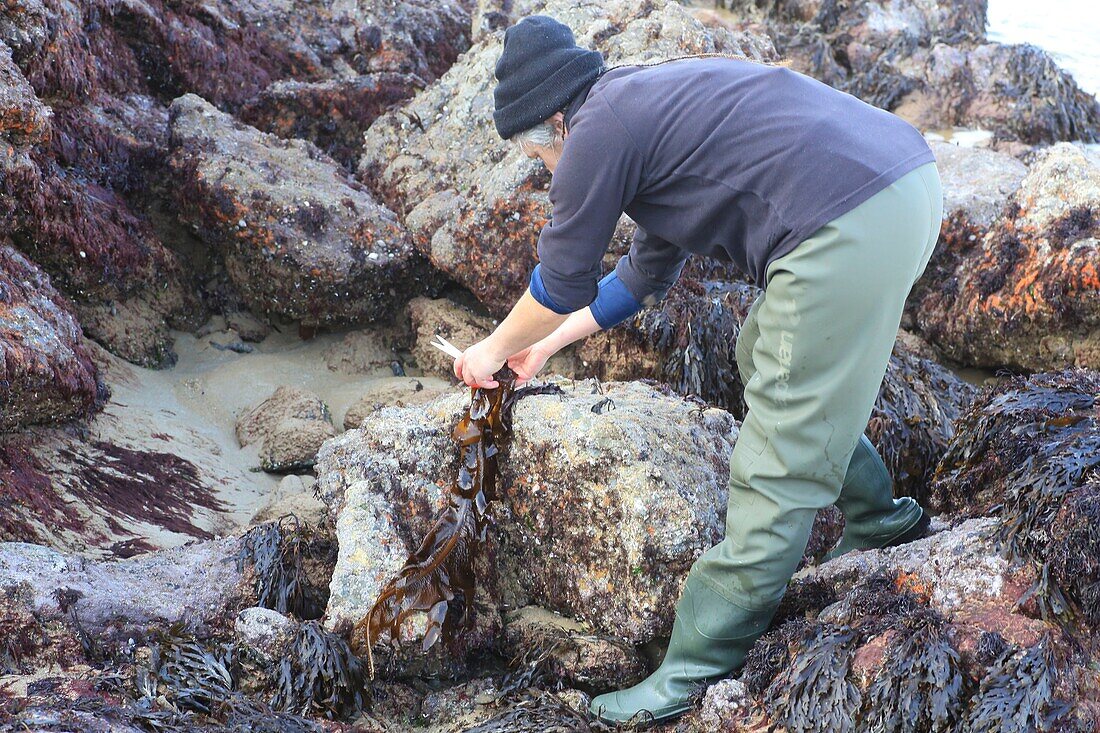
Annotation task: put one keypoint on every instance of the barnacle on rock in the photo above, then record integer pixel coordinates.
(920, 688)
(1018, 696)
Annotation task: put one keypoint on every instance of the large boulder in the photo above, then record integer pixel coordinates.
(463, 191)
(300, 239)
(606, 499)
(930, 63)
(200, 584)
(91, 202)
(46, 371)
(58, 175)
(1020, 289)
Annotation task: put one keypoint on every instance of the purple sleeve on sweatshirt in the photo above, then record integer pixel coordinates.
(595, 179)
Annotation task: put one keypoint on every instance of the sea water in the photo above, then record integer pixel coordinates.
(1069, 30)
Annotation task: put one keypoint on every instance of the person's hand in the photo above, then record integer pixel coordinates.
(478, 364)
(527, 363)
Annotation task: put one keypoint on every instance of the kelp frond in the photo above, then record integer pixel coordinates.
(438, 579)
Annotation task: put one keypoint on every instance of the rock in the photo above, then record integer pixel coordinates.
(602, 510)
(293, 443)
(930, 63)
(872, 623)
(977, 184)
(362, 352)
(300, 240)
(967, 87)
(125, 285)
(459, 325)
(247, 326)
(286, 402)
(333, 113)
(489, 16)
(439, 162)
(23, 119)
(263, 630)
(46, 371)
(571, 652)
(1024, 292)
(725, 704)
(363, 566)
(954, 567)
(394, 391)
(198, 584)
(419, 36)
(304, 505)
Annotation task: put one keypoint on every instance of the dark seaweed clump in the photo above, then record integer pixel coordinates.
(803, 669)
(1018, 696)
(920, 687)
(189, 684)
(278, 553)
(539, 712)
(695, 328)
(1029, 453)
(319, 674)
(816, 691)
(911, 421)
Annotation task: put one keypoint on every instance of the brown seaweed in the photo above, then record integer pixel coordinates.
(1028, 451)
(438, 579)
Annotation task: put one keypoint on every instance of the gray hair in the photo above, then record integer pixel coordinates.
(543, 134)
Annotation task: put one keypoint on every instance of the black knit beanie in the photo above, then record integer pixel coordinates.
(539, 73)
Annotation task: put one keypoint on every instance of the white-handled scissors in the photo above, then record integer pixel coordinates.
(445, 346)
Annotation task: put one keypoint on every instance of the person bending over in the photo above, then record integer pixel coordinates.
(831, 205)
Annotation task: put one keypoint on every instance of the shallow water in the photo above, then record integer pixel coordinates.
(1067, 29)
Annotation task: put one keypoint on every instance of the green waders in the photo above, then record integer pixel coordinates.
(812, 353)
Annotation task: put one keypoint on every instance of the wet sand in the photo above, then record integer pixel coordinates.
(190, 412)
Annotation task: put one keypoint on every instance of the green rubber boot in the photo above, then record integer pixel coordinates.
(710, 638)
(873, 518)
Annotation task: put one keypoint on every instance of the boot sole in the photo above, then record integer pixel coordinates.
(639, 722)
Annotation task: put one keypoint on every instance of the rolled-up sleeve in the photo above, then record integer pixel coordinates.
(598, 175)
(651, 267)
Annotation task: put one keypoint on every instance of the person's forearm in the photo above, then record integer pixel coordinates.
(527, 323)
(578, 325)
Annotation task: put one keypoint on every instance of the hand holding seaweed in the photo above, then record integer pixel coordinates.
(438, 578)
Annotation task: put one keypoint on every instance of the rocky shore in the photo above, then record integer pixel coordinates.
(228, 232)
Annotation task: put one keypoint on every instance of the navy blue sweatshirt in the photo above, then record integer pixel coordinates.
(721, 157)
